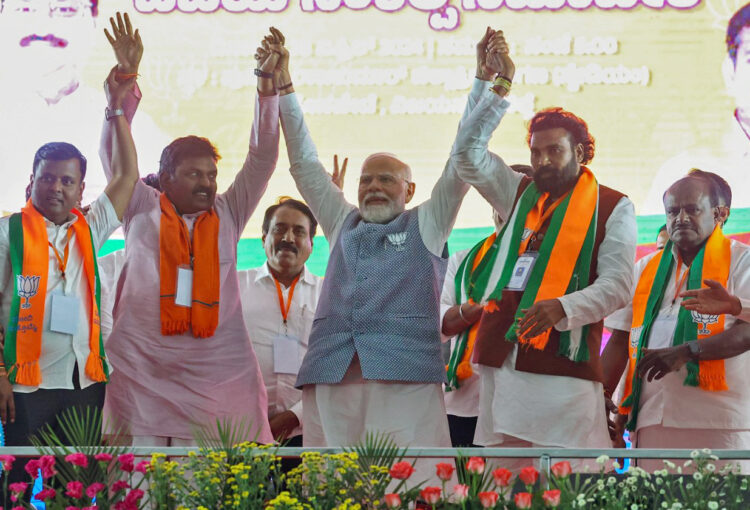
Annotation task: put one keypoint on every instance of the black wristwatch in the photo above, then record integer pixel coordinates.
(695, 349)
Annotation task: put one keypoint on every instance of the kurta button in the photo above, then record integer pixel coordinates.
(362, 255)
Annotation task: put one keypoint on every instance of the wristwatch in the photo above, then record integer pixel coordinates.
(695, 349)
(110, 114)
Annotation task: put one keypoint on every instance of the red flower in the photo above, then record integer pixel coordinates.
(142, 466)
(561, 469)
(94, 489)
(444, 471)
(72, 508)
(551, 498)
(120, 485)
(46, 494)
(392, 500)
(47, 465)
(488, 499)
(17, 489)
(430, 495)
(523, 500)
(103, 457)
(502, 477)
(401, 470)
(74, 490)
(460, 493)
(126, 462)
(529, 475)
(475, 465)
(7, 461)
(134, 497)
(77, 459)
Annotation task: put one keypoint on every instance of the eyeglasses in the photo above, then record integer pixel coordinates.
(383, 180)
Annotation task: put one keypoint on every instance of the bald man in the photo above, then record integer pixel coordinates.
(373, 362)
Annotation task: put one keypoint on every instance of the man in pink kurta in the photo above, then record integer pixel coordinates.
(162, 387)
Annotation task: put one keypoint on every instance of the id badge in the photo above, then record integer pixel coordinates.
(286, 354)
(184, 294)
(522, 270)
(64, 314)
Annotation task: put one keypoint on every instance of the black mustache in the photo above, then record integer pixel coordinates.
(286, 245)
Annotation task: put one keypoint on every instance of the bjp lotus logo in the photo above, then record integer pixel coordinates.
(398, 240)
(704, 319)
(28, 286)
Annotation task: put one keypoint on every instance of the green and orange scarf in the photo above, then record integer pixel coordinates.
(711, 262)
(175, 250)
(562, 266)
(29, 254)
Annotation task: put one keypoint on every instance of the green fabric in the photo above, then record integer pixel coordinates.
(98, 294)
(16, 261)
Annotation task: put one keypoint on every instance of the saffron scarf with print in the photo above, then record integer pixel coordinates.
(29, 255)
(711, 262)
(562, 266)
(459, 366)
(176, 250)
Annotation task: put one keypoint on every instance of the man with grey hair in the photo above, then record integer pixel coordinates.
(373, 362)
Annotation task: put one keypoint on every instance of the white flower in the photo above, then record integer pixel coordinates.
(670, 465)
(602, 459)
(634, 506)
(695, 454)
(713, 505)
(616, 465)
(710, 468)
(707, 451)
(697, 476)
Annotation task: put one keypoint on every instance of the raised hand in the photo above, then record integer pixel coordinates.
(339, 173)
(714, 300)
(498, 56)
(483, 72)
(279, 41)
(117, 90)
(126, 43)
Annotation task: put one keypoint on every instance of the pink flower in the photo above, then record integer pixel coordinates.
(529, 475)
(120, 485)
(475, 465)
(103, 457)
(551, 498)
(392, 500)
(17, 489)
(561, 469)
(142, 466)
(401, 470)
(47, 465)
(74, 490)
(502, 477)
(430, 495)
(488, 499)
(94, 489)
(46, 494)
(523, 500)
(78, 459)
(134, 497)
(460, 492)
(126, 462)
(7, 461)
(444, 471)
(72, 508)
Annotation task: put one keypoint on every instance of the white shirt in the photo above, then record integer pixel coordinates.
(668, 401)
(436, 215)
(528, 403)
(262, 314)
(465, 400)
(60, 351)
(110, 267)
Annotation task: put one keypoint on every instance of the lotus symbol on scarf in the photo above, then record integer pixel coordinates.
(704, 319)
(398, 239)
(27, 288)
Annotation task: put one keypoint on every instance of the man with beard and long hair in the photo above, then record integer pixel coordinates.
(563, 262)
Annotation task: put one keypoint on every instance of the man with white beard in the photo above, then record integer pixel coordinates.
(373, 362)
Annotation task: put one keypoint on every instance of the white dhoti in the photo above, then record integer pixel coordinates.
(659, 436)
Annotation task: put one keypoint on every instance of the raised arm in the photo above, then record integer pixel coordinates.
(128, 49)
(470, 157)
(124, 161)
(313, 182)
(251, 181)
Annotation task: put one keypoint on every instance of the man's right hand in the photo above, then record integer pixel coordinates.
(484, 72)
(498, 56)
(127, 44)
(7, 404)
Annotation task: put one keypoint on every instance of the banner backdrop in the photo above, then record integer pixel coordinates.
(651, 78)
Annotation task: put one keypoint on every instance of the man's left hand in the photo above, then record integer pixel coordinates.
(540, 317)
(656, 363)
(283, 424)
(126, 43)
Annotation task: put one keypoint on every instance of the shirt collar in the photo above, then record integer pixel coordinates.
(264, 272)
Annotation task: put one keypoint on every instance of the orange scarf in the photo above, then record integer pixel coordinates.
(30, 263)
(175, 249)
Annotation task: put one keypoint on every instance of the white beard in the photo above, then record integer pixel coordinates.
(378, 213)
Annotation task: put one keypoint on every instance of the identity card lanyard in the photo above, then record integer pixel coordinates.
(525, 242)
(62, 262)
(284, 307)
(679, 281)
